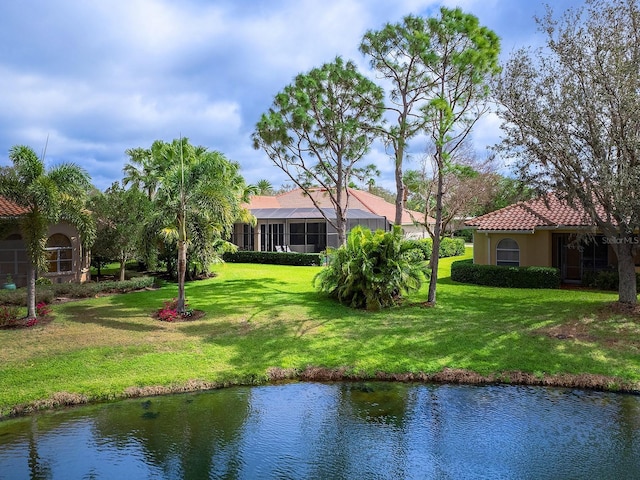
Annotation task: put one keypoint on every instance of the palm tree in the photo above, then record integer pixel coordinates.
(198, 200)
(145, 168)
(264, 187)
(49, 196)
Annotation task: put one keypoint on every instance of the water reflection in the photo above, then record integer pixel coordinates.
(308, 430)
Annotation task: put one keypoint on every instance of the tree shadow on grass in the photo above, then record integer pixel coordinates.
(246, 298)
(473, 327)
(481, 328)
(110, 316)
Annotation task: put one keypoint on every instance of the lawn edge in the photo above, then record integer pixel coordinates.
(275, 375)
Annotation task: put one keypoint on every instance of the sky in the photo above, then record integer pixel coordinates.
(84, 80)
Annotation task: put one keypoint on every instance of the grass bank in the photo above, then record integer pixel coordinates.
(266, 322)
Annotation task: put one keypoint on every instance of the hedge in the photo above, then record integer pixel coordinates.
(465, 271)
(605, 280)
(449, 247)
(274, 258)
(47, 293)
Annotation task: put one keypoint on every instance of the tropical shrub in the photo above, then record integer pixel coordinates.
(372, 270)
(465, 271)
(169, 311)
(42, 309)
(8, 314)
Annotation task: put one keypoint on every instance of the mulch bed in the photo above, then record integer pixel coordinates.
(20, 323)
(195, 315)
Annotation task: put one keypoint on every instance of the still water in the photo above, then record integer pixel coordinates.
(334, 431)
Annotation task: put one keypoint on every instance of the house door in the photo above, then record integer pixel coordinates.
(570, 258)
(271, 235)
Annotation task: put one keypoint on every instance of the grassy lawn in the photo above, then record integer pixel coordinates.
(261, 317)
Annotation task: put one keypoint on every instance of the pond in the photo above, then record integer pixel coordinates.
(342, 430)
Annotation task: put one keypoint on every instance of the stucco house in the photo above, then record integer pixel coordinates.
(67, 260)
(545, 231)
(290, 220)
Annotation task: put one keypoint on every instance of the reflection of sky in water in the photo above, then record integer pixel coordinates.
(309, 430)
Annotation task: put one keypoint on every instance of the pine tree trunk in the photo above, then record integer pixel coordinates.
(435, 252)
(399, 193)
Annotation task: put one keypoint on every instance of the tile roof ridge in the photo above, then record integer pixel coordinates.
(500, 210)
(527, 206)
(350, 191)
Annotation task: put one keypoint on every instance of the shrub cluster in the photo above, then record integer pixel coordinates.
(10, 315)
(273, 258)
(465, 271)
(373, 270)
(465, 233)
(449, 247)
(169, 311)
(605, 280)
(47, 293)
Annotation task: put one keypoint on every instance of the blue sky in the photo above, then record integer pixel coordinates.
(98, 77)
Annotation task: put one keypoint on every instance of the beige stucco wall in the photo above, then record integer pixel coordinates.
(14, 260)
(535, 248)
(80, 271)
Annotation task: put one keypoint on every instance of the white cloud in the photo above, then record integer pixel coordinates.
(101, 77)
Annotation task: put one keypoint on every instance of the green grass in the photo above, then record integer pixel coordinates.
(264, 316)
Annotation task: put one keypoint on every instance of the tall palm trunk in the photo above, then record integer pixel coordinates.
(182, 261)
(182, 270)
(31, 292)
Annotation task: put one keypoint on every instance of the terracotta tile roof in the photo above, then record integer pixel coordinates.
(380, 206)
(359, 199)
(545, 211)
(11, 209)
(262, 201)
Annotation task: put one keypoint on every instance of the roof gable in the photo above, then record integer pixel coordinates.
(358, 200)
(545, 211)
(11, 209)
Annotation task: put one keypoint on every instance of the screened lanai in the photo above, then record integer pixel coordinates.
(302, 229)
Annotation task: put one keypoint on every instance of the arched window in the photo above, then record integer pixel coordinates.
(59, 253)
(508, 253)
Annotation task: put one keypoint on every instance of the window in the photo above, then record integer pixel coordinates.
(247, 237)
(297, 234)
(508, 253)
(271, 235)
(317, 235)
(59, 253)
